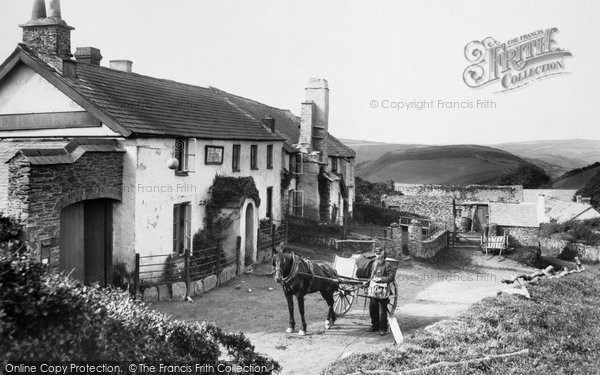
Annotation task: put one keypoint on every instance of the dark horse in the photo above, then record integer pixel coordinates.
(300, 277)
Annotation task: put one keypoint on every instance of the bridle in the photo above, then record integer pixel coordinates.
(278, 271)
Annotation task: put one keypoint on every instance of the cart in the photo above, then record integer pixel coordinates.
(351, 287)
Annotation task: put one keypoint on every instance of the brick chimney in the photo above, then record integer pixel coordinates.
(88, 55)
(314, 126)
(48, 36)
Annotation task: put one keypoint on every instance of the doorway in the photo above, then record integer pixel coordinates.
(249, 240)
(86, 241)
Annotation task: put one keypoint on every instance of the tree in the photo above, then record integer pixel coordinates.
(592, 190)
(530, 176)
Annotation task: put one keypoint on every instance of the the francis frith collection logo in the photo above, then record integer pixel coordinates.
(515, 63)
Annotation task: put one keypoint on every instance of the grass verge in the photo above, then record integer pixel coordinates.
(560, 325)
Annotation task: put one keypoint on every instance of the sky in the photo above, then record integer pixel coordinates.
(375, 55)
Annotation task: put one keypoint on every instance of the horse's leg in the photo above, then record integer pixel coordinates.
(300, 298)
(328, 297)
(290, 303)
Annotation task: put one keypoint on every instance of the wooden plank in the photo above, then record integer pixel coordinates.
(72, 241)
(396, 331)
(48, 120)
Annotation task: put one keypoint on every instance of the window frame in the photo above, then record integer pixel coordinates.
(269, 156)
(254, 157)
(236, 157)
(334, 165)
(297, 207)
(182, 234)
(185, 156)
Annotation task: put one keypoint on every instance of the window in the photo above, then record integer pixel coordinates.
(254, 157)
(334, 165)
(270, 157)
(213, 155)
(298, 203)
(185, 153)
(296, 163)
(235, 161)
(182, 228)
(270, 202)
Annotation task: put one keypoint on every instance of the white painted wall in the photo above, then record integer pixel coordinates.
(25, 91)
(150, 190)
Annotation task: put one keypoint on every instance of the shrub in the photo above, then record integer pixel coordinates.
(530, 176)
(573, 231)
(50, 317)
(592, 190)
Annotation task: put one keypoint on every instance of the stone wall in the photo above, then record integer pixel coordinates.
(437, 209)
(434, 245)
(555, 247)
(478, 193)
(38, 193)
(520, 236)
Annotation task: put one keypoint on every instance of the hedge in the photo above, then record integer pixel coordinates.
(50, 317)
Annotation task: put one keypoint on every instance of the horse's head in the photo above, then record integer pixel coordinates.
(282, 264)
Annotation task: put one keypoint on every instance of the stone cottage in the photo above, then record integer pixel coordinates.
(100, 163)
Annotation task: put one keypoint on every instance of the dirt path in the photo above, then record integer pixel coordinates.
(428, 292)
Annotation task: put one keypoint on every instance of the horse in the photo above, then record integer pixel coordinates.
(299, 277)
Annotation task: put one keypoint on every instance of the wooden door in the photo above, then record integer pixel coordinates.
(97, 241)
(72, 241)
(86, 241)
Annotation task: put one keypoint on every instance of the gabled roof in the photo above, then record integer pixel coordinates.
(561, 211)
(286, 123)
(137, 105)
(514, 214)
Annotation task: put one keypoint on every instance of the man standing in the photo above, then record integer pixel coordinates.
(379, 292)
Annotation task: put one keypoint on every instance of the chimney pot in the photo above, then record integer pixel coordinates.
(39, 10)
(88, 55)
(55, 9)
(122, 65)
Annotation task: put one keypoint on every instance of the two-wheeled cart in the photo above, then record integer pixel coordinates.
(350, 287)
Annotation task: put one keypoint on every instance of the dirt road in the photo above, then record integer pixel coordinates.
(428, 292)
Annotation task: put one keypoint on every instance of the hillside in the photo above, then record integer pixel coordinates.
(456, 165)
(370, 151)
(570, 153)
(576, 179)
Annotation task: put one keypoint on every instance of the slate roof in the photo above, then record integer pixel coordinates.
(70, 153)
(286, 123)
(514, 214)
(564, 211)
(147, 106)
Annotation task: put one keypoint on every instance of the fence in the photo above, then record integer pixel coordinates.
(166, 269)
(270, 234)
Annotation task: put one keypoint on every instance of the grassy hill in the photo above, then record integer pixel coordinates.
(370, 151)
(570, 153)
(456, 165)
(576, 179)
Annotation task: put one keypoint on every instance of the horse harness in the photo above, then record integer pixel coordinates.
(296, 260)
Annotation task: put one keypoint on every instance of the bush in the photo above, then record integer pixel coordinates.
(573, 231)
(592, 190)
(49, 317)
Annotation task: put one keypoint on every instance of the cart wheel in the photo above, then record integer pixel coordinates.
(343, 298)
(391, 307)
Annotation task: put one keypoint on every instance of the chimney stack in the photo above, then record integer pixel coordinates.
(317, 93)
(88, 55)
(48, 37)
(586, 200)
(541, 209)
(122, 65)
(579, 198)
(269, 122)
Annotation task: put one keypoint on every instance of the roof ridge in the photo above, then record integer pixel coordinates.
(218, 91)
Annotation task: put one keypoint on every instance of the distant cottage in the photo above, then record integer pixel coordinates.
(102, 163)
